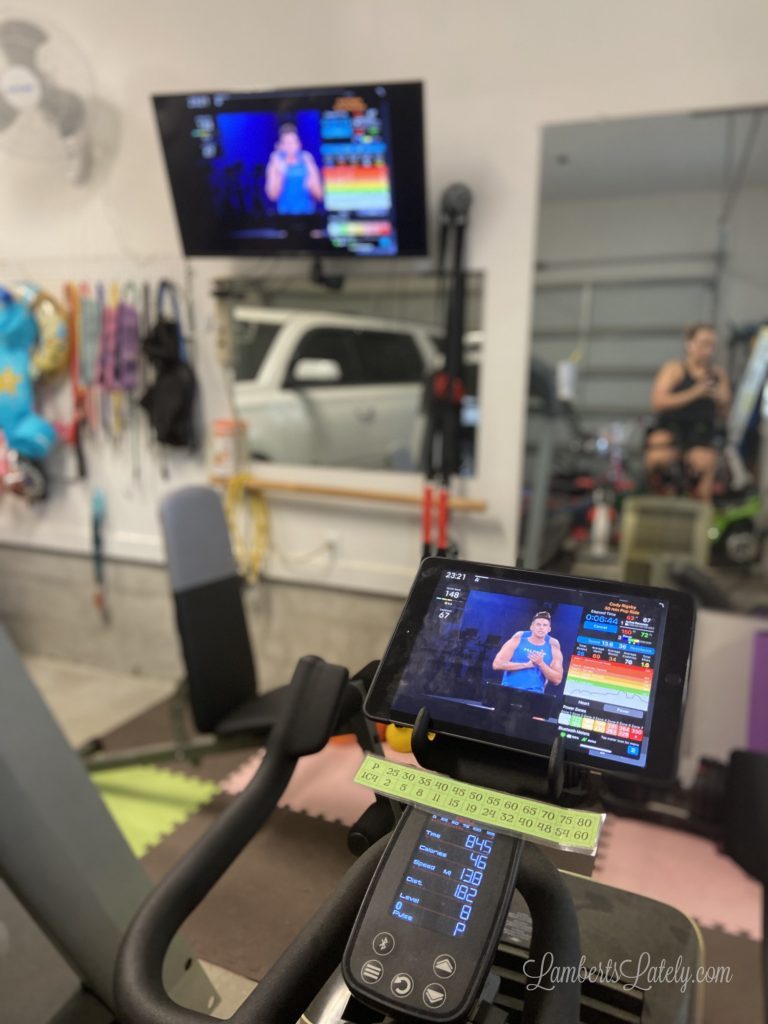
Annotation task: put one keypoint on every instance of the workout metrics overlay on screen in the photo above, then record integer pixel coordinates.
(610, 675)
(525, 661)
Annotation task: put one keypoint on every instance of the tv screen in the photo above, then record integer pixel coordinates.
(321, 171)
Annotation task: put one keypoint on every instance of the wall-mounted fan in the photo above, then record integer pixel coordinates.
(45, 85)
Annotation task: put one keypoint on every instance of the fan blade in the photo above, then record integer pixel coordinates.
(8, 114)
(62, 108)
(20, 41)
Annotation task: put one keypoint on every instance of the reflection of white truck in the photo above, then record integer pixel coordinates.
(330, 388)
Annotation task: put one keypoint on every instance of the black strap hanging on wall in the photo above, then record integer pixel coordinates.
(169, 401)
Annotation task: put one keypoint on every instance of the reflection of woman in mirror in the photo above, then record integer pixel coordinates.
(690, 399)
(293, 180)
(531, 658)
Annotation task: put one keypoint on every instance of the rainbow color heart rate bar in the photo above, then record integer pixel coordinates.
(575, 831)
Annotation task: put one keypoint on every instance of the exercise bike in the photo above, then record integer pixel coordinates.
(396, 942)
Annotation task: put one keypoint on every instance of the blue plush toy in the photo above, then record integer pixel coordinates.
(26, 432)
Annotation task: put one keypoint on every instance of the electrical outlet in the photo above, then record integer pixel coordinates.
(332, 541)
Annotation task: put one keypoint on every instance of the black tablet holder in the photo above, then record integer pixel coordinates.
(547, 778)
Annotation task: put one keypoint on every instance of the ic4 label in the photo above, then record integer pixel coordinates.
(567, 829)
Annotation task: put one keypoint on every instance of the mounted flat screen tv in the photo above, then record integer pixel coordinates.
(321, 171)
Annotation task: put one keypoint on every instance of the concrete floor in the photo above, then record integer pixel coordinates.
(232, 989)
(87, 701)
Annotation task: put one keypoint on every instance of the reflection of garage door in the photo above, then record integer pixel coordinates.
(625, 329)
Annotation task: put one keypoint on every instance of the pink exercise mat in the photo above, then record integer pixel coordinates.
(683, 870)
(322, 783)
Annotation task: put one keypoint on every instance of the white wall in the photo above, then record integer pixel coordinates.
(495, 72)
(720, 689)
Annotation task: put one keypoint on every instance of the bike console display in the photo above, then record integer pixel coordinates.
(427, 931)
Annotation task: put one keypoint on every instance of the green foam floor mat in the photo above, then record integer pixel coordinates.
(148, 803)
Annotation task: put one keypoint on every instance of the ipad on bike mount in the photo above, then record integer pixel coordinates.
(511, 658)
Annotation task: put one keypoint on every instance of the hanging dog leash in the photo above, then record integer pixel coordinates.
(79, 395)
(90, 335)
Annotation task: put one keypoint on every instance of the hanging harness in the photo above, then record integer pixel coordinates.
(169, 401)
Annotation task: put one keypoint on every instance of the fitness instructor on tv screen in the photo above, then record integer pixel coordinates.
(293, 180)
(531, 658)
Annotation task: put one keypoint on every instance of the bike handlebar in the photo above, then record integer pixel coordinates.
(317, 695)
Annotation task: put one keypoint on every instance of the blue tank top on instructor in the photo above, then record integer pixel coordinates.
(531, 679)
(295, 197)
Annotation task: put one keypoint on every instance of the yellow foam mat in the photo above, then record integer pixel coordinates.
(148, 803)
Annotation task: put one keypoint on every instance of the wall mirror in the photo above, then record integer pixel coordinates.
(645, 225)
(335, 376)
